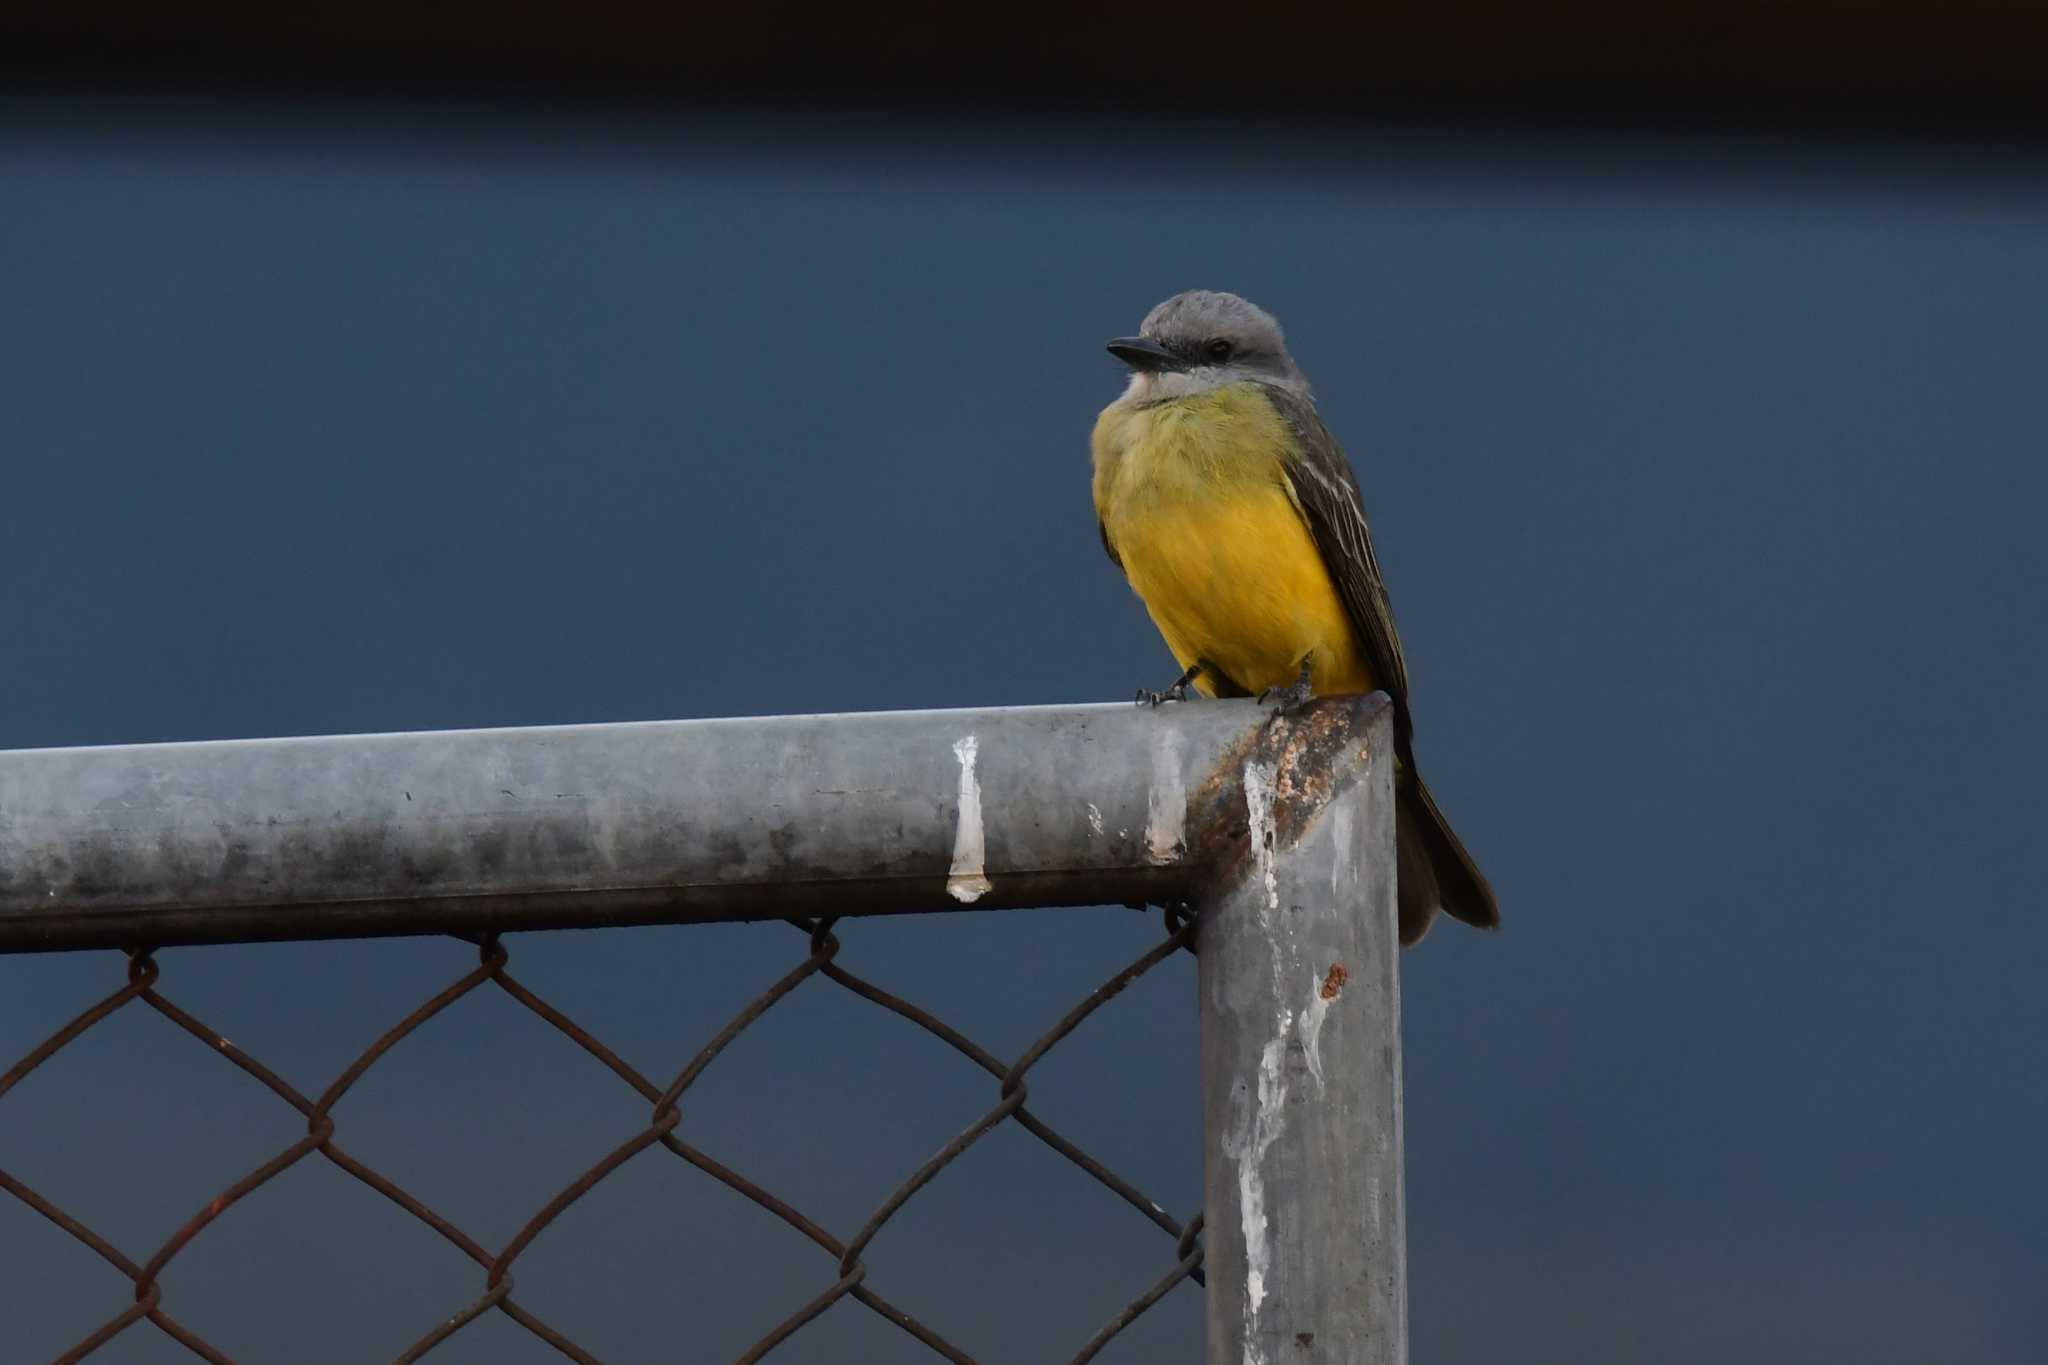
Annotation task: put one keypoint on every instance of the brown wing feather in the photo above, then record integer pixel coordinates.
(1327, 492)
(1435, 870)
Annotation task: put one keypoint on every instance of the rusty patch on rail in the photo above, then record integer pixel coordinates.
(1334, 981)
(1310, 750)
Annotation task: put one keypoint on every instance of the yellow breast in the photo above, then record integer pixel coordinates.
(1194, 497)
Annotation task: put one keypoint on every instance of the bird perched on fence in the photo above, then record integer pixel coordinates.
(1235, 516)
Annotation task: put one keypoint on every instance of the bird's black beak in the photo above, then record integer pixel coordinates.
(1143, 353)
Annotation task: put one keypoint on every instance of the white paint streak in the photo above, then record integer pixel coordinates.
(1262, 1124)
(1262, 1128)
(1258, 805)
(1166, 830)
(1094, 817)
(1312, 1029)
(968, 882)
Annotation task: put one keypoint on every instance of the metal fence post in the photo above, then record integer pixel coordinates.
(1301, 1064)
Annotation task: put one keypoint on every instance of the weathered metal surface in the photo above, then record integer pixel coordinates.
(610, 824)
(1300, 1017)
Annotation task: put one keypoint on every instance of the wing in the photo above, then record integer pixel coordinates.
(1435, 869)
(1108, 548)
(1324, 488)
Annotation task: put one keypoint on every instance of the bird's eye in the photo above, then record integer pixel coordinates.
(1218, 351)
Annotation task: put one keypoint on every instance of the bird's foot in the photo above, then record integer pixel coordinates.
(1177, 692)
(1287, 698)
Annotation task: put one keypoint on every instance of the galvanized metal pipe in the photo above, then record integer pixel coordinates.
(608, 824)
(1301, 1064)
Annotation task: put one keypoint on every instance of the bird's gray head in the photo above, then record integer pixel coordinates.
(1204, 340)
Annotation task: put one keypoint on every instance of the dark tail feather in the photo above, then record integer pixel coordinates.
(1432, 869)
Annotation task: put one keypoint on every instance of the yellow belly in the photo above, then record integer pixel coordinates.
(1193, 497)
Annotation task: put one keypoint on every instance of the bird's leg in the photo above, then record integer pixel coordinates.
(1177, 692)
(1291, 697)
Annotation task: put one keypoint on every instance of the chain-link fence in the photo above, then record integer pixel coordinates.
(144, 1301)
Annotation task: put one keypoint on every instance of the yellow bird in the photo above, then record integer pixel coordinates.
(1235, 516)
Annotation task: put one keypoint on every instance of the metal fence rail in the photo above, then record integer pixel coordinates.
(1268, 837)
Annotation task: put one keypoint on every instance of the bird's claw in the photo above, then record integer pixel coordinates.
(1177, 692)
(1289, 697)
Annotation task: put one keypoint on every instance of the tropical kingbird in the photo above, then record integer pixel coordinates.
(1235, 516)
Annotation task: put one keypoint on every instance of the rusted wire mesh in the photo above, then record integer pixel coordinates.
(848, 1273)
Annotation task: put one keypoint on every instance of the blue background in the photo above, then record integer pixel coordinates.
(1706, 474)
